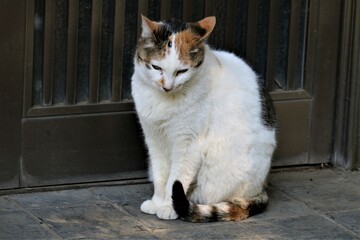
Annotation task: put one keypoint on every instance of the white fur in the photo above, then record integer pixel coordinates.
(207, 130)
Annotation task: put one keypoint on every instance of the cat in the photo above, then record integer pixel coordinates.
(209, 131)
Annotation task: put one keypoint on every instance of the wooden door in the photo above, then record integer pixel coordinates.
(68, 116)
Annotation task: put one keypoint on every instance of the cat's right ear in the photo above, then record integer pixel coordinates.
(208, 25)
(148, 27)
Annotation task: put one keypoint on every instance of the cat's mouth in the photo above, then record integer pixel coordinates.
(174, 90)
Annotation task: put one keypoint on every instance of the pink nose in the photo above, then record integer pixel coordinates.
(167, 89)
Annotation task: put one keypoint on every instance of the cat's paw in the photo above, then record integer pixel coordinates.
(149, 207)
(166, 212)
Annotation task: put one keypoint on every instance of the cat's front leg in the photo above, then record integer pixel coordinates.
(184, 167)
(160, 203)
(159, 170)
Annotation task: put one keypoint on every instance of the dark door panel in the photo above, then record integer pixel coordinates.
(293, 132)
(94, 147)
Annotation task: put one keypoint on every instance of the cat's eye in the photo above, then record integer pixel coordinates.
(169, 44)
(181, 71)
(156, 67)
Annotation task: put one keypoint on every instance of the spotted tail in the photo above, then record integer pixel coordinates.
(223, 211)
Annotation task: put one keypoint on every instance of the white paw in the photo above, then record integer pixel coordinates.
(166, 212)
(149, 207)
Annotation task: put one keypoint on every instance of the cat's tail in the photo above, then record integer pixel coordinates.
(223, 211)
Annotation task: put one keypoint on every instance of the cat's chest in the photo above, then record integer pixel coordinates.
(171, 116)
(160, 111)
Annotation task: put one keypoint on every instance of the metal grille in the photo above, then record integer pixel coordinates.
(82, 50)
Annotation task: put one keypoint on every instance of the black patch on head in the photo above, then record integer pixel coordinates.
(267, 108)
(161, 36)
(169, 27)
(166, 29)
(175, 25)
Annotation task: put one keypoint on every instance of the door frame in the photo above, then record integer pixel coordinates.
(12, 32)
(346, 151)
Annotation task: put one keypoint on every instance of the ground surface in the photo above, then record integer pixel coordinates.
(304, 204)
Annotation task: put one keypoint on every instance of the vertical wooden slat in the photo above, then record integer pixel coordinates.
(165, 9)
(293, 43)
(296, 44)
(60, 50)
(176, 9)
(83, 51)
(282, 44)
(230, 24)
(72, 40)
(95, 51)
(197, 10)
(29, 56)
(48, 52)
(118, 51)
(142, 9)
(302, 34)
(187, 7)
(241, 12)
(107, 44)
(154, 9)
(129, 45)
(209, 8)
(38, 52)
(311, 45)
(271, 48)
(251, 31)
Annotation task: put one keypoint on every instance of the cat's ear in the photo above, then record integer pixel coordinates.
(148, 27)
(208, 25)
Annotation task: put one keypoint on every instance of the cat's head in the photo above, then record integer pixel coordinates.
(170, 53)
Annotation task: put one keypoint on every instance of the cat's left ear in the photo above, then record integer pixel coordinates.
(148, 27)
(208, 25)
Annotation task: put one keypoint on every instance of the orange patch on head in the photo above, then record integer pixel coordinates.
(190, 50)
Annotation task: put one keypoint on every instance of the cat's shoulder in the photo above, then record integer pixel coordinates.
(235, 64)
(230, 58)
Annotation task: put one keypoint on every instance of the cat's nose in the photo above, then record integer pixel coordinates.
(167, 89)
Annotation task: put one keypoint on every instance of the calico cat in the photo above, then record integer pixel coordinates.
(209, 132)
